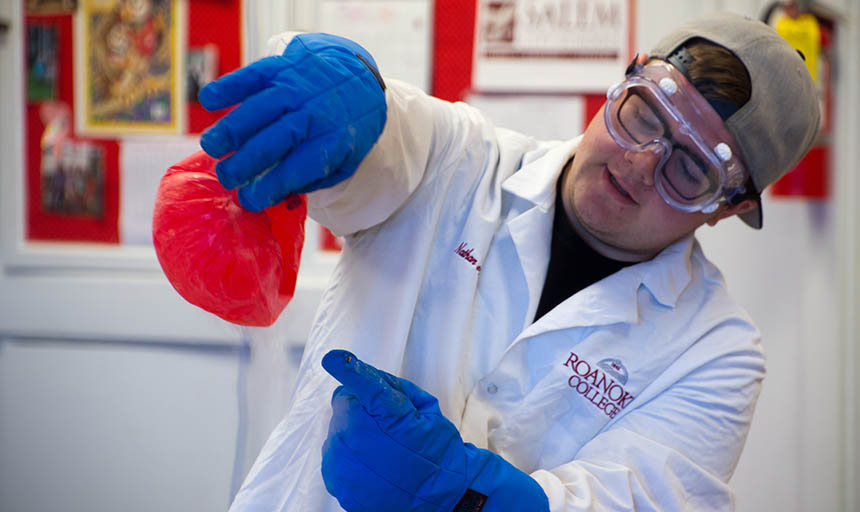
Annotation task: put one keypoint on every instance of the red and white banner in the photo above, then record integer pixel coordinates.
(551, 45)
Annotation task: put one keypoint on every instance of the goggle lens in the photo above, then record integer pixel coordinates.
(639, 119)
(685, 175)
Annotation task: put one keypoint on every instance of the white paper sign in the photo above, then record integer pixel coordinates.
(544, 117)
(395, 32)
(551, 45)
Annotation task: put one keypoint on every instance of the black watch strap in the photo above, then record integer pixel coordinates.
(472, 501)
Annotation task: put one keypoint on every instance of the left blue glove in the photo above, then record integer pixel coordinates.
(306, 119)
(390, 448)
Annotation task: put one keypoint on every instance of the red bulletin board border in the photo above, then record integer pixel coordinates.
(453, 45)
(43, 225)
(217, 22)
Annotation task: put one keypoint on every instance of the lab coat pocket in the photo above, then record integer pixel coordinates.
(523, 431)
(553, 421)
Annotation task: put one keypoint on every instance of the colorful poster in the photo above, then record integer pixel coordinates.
(130, 64)
(558, 46)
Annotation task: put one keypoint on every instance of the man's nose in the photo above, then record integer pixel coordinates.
(643, 163)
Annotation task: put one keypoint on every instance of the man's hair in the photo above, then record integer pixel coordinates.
(717, 74)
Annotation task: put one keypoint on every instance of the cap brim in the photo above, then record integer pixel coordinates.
(754, 218)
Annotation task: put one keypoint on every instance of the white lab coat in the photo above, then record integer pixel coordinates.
(635, 393)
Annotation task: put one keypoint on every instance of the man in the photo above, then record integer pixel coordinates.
(551, 296)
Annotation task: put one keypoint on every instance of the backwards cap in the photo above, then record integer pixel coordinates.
(778, 124)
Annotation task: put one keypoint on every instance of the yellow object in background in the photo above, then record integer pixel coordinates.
(802, 33)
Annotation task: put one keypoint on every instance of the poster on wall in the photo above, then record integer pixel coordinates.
(129, 67)
(551, 45)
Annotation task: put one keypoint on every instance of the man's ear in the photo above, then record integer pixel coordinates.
(729, 210)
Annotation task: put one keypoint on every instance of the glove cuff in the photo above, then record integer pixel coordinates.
(503, 485)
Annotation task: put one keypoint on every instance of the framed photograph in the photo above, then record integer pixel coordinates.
(551, 46)
(202, 68)
(42, 62)
(130, 70)
(71, 171)
(73, 181)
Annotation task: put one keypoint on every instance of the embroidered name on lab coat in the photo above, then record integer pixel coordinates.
(596, 386)
(465, 252)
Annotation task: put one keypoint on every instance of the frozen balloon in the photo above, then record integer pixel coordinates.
(239, 265)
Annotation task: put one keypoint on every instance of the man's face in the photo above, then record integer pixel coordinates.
(612, 195)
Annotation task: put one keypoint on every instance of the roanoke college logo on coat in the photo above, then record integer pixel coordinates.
(615, 368)
(601, 384)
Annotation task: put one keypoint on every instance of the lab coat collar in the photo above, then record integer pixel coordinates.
(669, 273)
(531, 226)
(665, 276)
(535, 181)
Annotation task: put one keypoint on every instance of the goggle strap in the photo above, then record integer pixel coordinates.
(681, 58)
(632, 66)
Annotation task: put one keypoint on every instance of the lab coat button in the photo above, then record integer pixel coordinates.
(492, 389)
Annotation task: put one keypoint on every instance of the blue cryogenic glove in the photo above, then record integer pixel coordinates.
(390, 448)
(306, 119)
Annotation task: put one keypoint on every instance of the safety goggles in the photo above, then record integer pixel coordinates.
(657, 109)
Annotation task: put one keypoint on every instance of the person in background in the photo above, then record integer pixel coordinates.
(538, 328)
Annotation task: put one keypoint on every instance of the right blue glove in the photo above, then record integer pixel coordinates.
(390, 448)
(306, 120)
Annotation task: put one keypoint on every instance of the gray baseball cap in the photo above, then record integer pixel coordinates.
(778, 124)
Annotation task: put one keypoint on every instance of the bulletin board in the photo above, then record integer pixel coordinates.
(73, 176)
(89, 207)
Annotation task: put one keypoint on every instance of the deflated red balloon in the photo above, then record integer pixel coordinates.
(239, 265)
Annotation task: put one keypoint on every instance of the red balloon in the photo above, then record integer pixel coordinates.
(237, 264)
